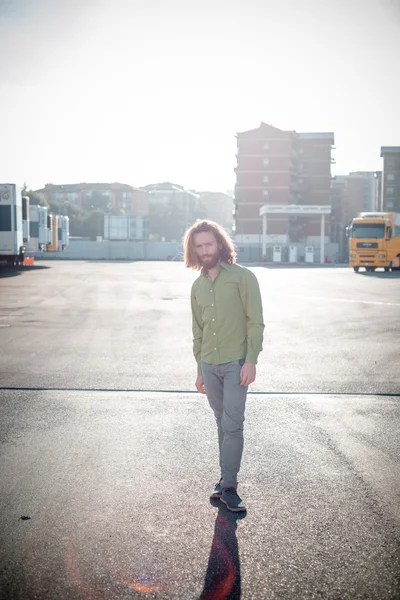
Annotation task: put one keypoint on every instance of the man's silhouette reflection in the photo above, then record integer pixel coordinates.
(222, 581)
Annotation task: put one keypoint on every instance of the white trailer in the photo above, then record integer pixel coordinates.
(63, 233)
(12, 247)
(49, 230)
(37, 228)
(25, 219)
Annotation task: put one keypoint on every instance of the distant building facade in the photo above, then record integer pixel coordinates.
(280, 167)
(114, 198)
(172, 208)
(390, 199)
(352, 194)
(219, 208)
(378, 191)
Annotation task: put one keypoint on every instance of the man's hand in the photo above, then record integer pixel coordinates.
(247, 374)
(200, 385)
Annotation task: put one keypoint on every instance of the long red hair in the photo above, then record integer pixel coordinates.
(227, 252)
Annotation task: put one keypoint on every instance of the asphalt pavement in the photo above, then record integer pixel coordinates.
(108, 455)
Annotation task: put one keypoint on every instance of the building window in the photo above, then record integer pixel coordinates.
(265, 194)
(390, 191)
(301, 166)
(301, 181)
(265, 178)
(389, 204)
(266, 162)
(266, 146)
(390, 177)
(390, 163)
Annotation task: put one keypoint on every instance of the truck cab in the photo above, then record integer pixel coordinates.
(375, 241)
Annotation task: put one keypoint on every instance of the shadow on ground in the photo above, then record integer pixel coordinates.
(316, 265)
(381, 274)
(15, 271)
(222, 578)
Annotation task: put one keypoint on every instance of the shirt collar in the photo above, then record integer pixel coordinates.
(224, 265)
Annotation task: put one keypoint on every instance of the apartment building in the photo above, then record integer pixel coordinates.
(352, 194)
(172, 208)
(314, 152)
(278, 167)
(390, 200)
(219, 208)
(378, 191)
(113, 198)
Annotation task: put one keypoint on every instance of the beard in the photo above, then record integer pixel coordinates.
(210, 261)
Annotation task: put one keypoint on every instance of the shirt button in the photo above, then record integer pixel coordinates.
(214, 334)
(212, 304)
(213, 319)
(214, 348)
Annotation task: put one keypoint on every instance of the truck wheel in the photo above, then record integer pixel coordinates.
(356, 269)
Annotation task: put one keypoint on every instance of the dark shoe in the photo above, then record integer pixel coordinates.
(217, 493)
(232, 500)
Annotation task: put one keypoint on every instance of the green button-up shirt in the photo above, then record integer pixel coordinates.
(227, 316)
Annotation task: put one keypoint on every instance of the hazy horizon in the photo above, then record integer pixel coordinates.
(135, 92)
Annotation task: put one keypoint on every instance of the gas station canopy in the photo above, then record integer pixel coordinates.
(297, 210)
(294, 209)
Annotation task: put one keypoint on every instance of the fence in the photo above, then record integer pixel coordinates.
(125, 250)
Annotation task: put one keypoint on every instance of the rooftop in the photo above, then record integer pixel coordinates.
(326, 135)
(82, 186)
(390, 150)
(168, 187)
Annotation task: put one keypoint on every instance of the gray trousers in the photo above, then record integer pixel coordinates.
(227, 399)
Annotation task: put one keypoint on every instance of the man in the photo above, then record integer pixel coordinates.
(227, 339)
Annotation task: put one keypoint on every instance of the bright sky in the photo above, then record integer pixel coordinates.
(140, 91)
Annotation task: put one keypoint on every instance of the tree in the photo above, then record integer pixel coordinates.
(94, 224)
(34, 197)
(170, 220)
(96, 201)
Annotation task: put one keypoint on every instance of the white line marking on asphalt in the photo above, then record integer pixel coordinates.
(339, 300)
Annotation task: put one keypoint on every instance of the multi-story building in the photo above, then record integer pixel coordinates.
(391, 178)
(378, 191)
(278, 167)
(114, 198)
(314, 179)
(219, 208)
(352, 194)
(338, 184)
(172, 208)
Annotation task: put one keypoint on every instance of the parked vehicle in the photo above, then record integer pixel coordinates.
(12, 247)
(375, 241)
(63, 233)
(37, 228)
(52, 233)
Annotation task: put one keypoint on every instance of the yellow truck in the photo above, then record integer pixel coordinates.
(375, 241)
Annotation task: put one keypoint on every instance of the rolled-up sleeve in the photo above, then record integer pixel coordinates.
(252, 304)
(197, 330)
